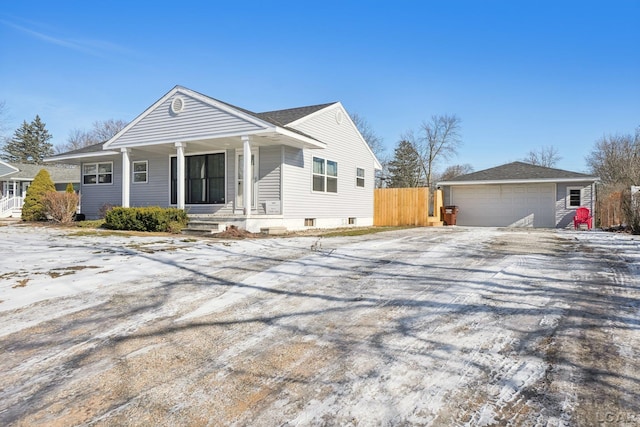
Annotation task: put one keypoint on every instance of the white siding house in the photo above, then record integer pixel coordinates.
(295, 168)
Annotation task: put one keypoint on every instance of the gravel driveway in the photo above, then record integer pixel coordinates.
(434, 326)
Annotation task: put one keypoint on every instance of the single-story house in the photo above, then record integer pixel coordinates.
(519, 195)
(295, 168)
(15, 178)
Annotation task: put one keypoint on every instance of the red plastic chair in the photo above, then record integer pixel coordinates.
(582, 217)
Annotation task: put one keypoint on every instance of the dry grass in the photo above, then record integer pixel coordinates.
(21, 283)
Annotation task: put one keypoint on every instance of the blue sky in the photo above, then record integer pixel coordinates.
(520, 74)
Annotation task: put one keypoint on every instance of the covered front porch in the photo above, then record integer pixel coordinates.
(232, 177)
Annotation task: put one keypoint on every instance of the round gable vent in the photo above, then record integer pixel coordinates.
(177, 105)
(339, 116)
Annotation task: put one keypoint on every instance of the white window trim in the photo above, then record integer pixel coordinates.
(97, 164)
(325, 160)
(146, 172)
(568, 198)
(363, 178)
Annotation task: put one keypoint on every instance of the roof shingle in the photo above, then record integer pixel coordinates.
(519, 171)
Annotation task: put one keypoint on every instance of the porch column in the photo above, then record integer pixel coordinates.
(126, 177)
(246, 175)
(180, 171)
(15, 194)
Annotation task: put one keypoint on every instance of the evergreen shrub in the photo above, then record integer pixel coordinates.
(151, 218)
(33, 208)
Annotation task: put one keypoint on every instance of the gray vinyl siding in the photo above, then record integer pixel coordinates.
(564, 215)
(344, 146)
(94, 197)
(269, 176)
(156, 191)
(197, 121)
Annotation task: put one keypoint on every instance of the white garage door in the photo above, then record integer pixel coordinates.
(531, 205)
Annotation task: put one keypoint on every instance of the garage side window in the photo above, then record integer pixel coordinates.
(574, 197)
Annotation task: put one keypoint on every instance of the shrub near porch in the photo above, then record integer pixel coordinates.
(152, 218)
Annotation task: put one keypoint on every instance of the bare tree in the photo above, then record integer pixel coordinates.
(77, 139)
(616, 159)
(439, 139)
(544, 156)
(455, 170)
(375, 143)
(369, 135)
(101, 131)
(104, 130)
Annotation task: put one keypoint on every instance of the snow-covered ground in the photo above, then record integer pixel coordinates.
(434, 326)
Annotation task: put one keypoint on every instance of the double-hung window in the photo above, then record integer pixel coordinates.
(359, 177)
(574, 197)
(325, 175)
(97, 173)
(140, 171)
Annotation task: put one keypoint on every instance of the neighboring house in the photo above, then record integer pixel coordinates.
(295, 168)
(15, 178)
(519, 195)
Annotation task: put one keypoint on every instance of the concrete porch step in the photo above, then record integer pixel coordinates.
(203, 226)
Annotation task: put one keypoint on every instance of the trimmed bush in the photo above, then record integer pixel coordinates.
(33, 208)
(152, 218)
(60, 207)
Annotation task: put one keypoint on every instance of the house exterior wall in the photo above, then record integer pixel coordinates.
(344, 146)
(197, 121)
(269, 182)
(155, 192)
(94, 197)
(564, 214)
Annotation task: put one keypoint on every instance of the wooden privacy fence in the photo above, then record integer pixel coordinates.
(609, 210)
(406, 206)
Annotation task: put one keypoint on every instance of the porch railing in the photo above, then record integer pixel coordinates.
(8, 204)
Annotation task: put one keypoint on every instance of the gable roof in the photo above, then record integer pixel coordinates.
(280, 118)
(58, 173)
(290, 115)
(519, 172)
(94, 150)
(253, 122)
(6, 169)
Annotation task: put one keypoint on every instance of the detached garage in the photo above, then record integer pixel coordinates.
(519, 195)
